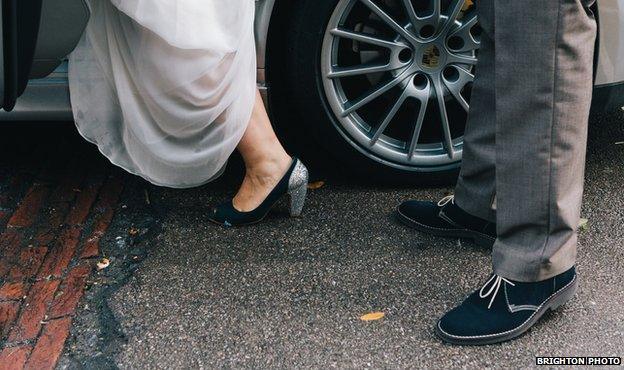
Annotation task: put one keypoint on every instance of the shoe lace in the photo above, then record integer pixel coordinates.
(494, 284)
(444, 201)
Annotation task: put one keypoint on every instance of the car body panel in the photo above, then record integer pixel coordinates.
(53, 46)
(1, 56)
(45, 99)
(264, 11)
(46, 32)
(48, 98)
(610, 68)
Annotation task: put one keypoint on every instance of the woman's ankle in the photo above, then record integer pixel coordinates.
(260, 178)
(268, 167)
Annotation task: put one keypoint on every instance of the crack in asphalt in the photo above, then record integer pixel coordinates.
(97, 335)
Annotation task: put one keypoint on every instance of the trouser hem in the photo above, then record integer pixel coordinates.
(474, 205)
(523, 268)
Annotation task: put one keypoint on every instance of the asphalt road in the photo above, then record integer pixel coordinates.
(289, 292)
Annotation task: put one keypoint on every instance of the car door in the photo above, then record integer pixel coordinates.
(36, 36)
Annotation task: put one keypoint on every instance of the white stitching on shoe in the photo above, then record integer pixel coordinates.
(441, 229)
(451, 199)
(524, 307)
(446, 218)
(515, 308)
(511, 330)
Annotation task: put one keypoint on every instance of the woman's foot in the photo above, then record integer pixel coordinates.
(294, 183)
(259, 181)
(270, 174)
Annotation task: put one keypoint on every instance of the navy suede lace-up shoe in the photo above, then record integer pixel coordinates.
(446, 219)
(503, 309)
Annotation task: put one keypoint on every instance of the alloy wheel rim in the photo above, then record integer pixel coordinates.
(378, 55)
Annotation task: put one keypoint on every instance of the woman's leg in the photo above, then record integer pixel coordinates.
(266, 161)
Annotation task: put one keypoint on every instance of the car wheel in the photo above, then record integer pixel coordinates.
(383, 86)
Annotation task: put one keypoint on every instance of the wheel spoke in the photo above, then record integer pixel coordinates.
(463, 32)
(339, 72)
(379, 130)
(368, 39)
(424, 101)
(456, 8)
(461, 59)
(409, 8)
(467, 24)
(448, 140)
(437, 10)
(372, 94)
(385, 17)
(456, 87)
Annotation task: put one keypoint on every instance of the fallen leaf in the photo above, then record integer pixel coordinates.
(583, 224)
(467, 5)
(133, 231)
(619, 143)
(103, 264)
(372, 316)
(316, 185)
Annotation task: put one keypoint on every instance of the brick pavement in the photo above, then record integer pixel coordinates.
(51, 222)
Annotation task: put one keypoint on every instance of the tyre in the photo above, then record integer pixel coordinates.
(379, 87)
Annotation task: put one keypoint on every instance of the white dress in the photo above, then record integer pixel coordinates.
(165, 88)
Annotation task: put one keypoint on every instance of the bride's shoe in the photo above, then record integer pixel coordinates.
(294, 183)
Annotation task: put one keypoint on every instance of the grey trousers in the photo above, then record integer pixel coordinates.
(525, 141)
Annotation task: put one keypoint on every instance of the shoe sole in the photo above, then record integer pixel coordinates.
(558, 299)
(215, 222)
(476, 237)
(251, 223)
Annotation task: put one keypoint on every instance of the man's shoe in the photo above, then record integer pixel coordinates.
(503, 309)
(445, 218)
